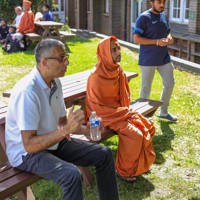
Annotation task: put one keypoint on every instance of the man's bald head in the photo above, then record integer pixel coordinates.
(18, 10)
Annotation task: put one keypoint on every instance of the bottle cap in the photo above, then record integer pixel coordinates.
(93, 112)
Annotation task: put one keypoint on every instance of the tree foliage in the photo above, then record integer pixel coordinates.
(7, 7)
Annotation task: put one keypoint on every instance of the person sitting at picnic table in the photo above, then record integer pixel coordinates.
(3, 30)
(19, 12)
(13, 41)
(108, 94)
(37, 132)
(47, 14)
(26, 24)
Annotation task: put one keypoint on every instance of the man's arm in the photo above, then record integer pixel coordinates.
(14, 22)
(145, 41)
(34, 143)
(142, 40)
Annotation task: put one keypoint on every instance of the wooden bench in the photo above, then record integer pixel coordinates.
(14, 181)
(74, 90)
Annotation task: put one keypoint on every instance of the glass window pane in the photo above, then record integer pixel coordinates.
(187, 14)
(106, 6)
(62, 5)
(187, 3)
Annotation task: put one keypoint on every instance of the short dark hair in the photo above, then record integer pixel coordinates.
(13, 27)
(47, 6)
(4, 20)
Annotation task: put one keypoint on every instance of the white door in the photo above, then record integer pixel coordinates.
(59, 13)
(136, 7)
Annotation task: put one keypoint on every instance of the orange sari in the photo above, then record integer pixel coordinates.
(108, 94)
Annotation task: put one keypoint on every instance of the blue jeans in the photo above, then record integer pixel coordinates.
(59, 166)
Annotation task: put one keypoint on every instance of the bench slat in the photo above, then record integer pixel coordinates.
(9, 173)
(16, 183)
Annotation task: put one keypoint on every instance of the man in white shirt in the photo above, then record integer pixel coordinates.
(19, 12)
(38, 131)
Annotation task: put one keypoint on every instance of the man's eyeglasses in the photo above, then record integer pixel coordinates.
(60, 59)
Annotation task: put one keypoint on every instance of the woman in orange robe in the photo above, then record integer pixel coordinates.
(108, 94)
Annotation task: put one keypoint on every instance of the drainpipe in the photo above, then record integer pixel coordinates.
(125, 20)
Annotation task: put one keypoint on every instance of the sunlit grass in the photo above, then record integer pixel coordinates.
(176, 171)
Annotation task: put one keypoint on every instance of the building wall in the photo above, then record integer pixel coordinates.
(97, 13)
(106, 19)
(194, 16)
(128, 20)
(82, 14)
(71, 14)
(118, 18)
(90, 15)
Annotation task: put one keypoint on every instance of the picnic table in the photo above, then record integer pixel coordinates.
(51, 30)
(74, 86)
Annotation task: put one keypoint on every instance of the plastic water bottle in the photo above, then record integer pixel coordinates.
(94, 127)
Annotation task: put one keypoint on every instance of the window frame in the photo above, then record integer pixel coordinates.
(106, 7)
(88, 5)
(182, 9)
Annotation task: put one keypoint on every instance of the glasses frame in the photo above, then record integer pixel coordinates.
(60, 59)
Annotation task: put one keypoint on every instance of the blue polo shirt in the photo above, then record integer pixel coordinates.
(48, 16)
(153, 26)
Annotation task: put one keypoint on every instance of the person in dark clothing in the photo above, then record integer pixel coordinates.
(13, 41)
(47, 15)
(3, 30)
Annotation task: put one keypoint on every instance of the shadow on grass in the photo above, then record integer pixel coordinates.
(139, 190)
(162, 142)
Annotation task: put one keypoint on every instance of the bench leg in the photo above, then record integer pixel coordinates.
(151, 113)
(26, 194)
(88, 179)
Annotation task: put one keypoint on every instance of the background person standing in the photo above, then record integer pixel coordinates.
(152, 32)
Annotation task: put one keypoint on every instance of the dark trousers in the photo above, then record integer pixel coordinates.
(59, 166)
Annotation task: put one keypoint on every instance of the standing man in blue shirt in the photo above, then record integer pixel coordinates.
(152, 32)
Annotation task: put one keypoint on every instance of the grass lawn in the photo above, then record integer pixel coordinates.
(176, 171)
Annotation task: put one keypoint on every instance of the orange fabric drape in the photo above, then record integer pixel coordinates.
(108, 94)
(26, 24)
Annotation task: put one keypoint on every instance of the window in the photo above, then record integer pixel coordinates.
(76, 4)
(106, 6)
(88, 6)
(62, 5)
(179, 11)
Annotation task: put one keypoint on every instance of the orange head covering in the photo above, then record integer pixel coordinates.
(107, 87)
(27, 3)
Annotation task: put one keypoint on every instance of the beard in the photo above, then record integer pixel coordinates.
(157, 11)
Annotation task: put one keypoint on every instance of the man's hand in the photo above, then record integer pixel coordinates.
(74, 121)
(163, 42)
